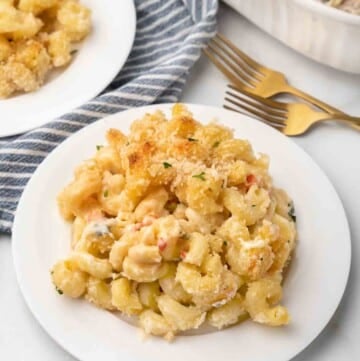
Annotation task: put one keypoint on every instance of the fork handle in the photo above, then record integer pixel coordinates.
(340, 119)
(353, 122)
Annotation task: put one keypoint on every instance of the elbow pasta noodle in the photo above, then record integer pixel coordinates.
(228, 314)
(177, 224)
(154, 324)
(99, 293)
(148, 293)
(124, 297)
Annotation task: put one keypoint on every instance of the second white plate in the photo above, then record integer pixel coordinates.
(313, 289)
(101, 56)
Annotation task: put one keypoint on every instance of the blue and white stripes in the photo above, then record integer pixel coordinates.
(169, 38)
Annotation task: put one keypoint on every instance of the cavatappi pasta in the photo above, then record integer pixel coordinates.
(177, 223)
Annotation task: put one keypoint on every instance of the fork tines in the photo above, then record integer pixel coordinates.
(250, 104)
(235, 64)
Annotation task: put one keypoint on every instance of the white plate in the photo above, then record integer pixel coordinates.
(100, 57)
(312, 291)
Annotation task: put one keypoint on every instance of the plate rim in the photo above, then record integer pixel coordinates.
(22, 128)
(197, 108)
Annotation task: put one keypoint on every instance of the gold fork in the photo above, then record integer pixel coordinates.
(290, 118)
(248, 75)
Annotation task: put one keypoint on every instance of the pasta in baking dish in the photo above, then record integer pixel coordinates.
(177, 223)
(351, 6)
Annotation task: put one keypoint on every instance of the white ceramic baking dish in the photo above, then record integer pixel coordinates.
(323, 33)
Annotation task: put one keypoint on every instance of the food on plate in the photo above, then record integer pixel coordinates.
(37, 36)
(351, 6)
(177, 223)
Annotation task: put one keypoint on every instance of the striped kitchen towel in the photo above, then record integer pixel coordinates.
(168, 41)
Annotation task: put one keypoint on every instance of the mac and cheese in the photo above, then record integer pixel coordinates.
(37, 36)
(177, 223)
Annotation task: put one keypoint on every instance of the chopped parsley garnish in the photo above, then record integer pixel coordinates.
(106, 193)
(192, 140)
(291, 212)
(225, 243)
(216, 144)
(98, 147)
(199, 176)
(59, 291)
(167, 165)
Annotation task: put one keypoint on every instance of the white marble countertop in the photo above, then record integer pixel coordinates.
(335, 148)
